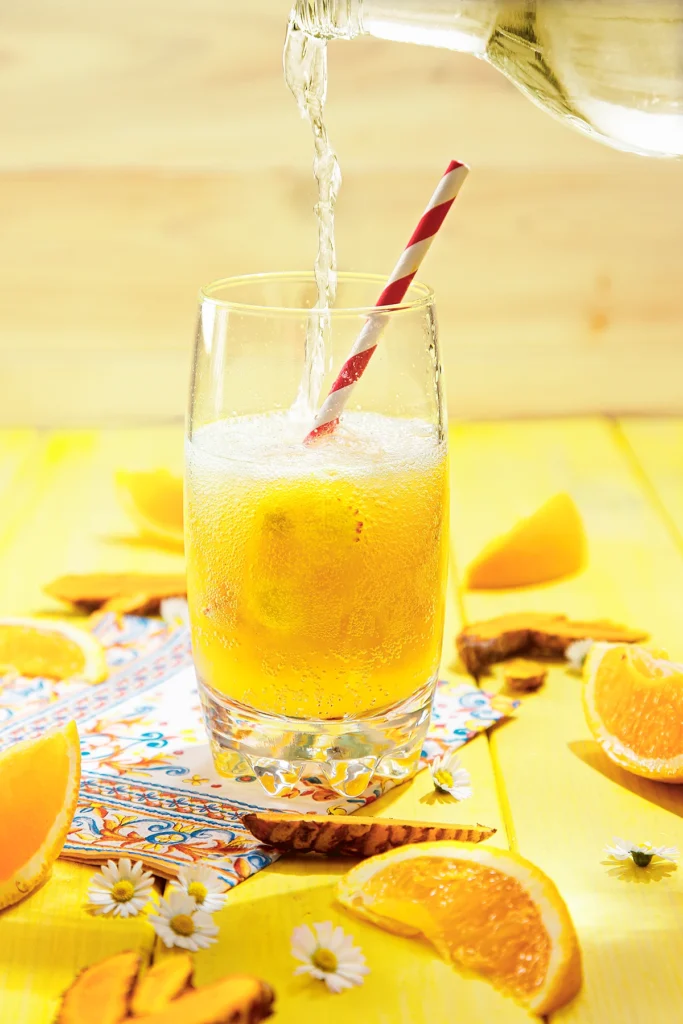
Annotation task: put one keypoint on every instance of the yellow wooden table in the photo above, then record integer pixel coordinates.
(540, 779)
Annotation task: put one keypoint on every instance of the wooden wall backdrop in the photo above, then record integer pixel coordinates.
(150, 147)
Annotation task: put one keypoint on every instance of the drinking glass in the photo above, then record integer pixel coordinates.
(316, 572)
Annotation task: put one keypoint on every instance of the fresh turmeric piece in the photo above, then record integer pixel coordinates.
(163, 982)
(534, 634)
(106, 993)
(117, 592)
(239, 999)
(101, 992)
(524, 676)
(352, 836)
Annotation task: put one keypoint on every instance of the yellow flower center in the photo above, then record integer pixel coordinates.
(122, 891)
(443, 778)
(325, 960)
(199, 891)
(182, 924)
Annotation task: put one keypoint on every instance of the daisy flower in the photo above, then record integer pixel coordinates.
(121, 889)
(204, 886)
(180, 923)
(328, 955)
(577, 652)
(641, 854)
(449, 776)
(174, 611)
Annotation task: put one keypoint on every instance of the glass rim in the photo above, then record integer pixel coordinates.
(422, 300)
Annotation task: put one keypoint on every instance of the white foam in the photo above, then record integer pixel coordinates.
(271, 445)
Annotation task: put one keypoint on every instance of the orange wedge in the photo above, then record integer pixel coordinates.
(485, 909)
(548, 545)
(38, 793)
(633, 700)
(154, 501)
(46, 647)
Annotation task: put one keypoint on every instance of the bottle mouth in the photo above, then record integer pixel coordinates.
(328, 19)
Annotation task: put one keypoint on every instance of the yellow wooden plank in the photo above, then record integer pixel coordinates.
(567, 801)
(16, 448)
(49, 937)
(75, 524)
(408, 983)
(58, 513)
(656, 446)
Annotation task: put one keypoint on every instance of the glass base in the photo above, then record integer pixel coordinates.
(346, 753)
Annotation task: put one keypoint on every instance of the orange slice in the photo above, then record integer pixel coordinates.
(550, 544)
(485, 909)
(38, 792)
(154, 501)
(46, 647)
(633, 700)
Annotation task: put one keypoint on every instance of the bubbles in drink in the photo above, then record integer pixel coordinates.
(333, 556)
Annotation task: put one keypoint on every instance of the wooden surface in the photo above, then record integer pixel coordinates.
(148, 149)
(540, 779)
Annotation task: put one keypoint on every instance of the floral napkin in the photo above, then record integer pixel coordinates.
(148, 787)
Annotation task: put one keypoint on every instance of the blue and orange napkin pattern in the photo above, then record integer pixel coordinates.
(149, 790)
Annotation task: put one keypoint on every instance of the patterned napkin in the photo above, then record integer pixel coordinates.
(148, 788)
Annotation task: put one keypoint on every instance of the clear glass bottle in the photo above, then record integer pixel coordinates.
(611, 68)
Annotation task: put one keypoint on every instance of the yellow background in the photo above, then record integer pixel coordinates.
(148, 148)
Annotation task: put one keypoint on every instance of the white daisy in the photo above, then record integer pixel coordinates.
(449, 776)
(329, 955)
(121, 889)
(180, 923)
(174, 611)
(204, 886)
(577, 652)
(641, 854)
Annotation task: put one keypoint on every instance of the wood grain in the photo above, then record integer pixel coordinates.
(147, 151)
(46, 939)
(565, 798)
(66, 519)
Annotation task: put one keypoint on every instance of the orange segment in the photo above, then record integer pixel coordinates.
(550, 544)
(46, 647)
(485, 909)
(633, 702)
(154, 501)
(38, 793)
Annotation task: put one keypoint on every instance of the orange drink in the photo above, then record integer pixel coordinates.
(316, 574)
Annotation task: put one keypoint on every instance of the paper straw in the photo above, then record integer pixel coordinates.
(395, 289)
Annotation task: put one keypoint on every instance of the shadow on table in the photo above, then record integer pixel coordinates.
(665, 795)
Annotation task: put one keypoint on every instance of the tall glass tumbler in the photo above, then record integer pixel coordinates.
(316, 572)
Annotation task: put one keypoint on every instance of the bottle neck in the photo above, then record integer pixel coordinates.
(464, 25)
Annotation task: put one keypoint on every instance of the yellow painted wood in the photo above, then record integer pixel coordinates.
(408, 983)
(49, 937)
(70, 521)
(656, 446)
(58, 513)
(565, 798)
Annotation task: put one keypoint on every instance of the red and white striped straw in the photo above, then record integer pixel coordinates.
(396, 288)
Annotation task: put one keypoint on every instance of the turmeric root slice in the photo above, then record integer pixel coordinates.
(142, 591)
(353, 836)
(535, 634)
(101, 992)
(524, 676)
(239, 999)
(163, 982)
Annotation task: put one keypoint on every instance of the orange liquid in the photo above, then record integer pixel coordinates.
(316, 575)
